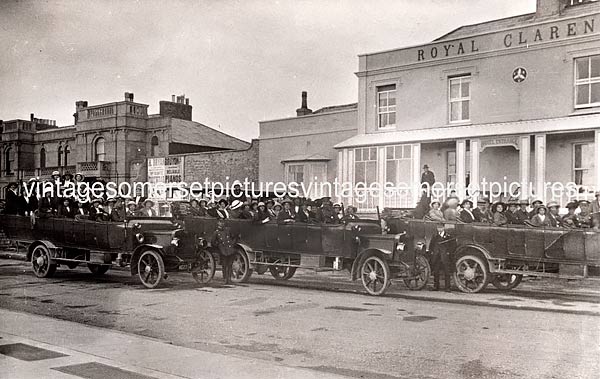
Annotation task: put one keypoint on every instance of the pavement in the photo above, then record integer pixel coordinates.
(33, 346)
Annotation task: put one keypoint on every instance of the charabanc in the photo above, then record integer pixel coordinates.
(359, 247)
(501, 255)
(151, 246)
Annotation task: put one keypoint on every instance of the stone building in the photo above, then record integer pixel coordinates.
(510, 100)
(111, 141)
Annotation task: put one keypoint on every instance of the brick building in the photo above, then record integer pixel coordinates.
(110, 141)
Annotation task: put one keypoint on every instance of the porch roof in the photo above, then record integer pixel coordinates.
(449, 133)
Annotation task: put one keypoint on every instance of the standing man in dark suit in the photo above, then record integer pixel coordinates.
(13, 200)
(427, 177)
(442, 247)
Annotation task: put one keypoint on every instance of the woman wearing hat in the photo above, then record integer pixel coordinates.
(262, 215)
(499, 218)
(571, 220)
(553, 216)
(147, 209)
(277, 208)
(222, 212)
(534, 205)
(466, 214)
(541, 218)
(435, 214)
(286, 216)
(97, 212)
(196, 209)
(131, 209)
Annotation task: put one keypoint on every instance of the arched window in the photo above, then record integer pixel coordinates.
(154, 146)
(7, 160)
(43, 158)
(99, 150)
(67, 152)
(60, 156)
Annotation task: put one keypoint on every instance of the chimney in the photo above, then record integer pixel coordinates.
(31, 117)
(172, 98)
(303, 110)
(548, 8)
(128, 96)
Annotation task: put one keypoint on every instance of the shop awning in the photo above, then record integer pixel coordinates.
(450, 133)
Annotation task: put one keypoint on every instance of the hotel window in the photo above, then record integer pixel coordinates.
(386, 106)
(365, 165)
(295, 173)
(583, 164)
(587, 81)
(460, 98)
(398, 164)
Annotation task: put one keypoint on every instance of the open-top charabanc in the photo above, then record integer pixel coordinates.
(501, 255)
(359, 247)
(151, 246)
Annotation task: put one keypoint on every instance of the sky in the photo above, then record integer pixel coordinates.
(239, 62)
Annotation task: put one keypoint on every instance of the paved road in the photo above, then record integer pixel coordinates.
(327, 327)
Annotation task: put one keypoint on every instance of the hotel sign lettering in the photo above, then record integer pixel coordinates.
(500, 141)
(528, 36)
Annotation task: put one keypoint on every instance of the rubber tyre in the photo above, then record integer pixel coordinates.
(500, 281)
(151, 269)
(423, 269)
(42, 263)
(240, 267)
(472, 273)
(203, 270)
(375, 271)
(282, 272)
(98, 270)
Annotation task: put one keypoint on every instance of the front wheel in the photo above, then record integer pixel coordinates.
(42, 263)
(98, 270)
(506, 282)
(240, 267)
(151, 268)
(375, 275)
(472, 274)
(422, 271)
(282, 272)
(203, 270)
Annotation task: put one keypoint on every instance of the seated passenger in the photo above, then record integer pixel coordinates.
(131, 209)
(305, 215)
(553, 216)
(235, 209)
(466, 215)
(540, 218)
(45, 206)
(277, 208)
(221, 211)
(196, 209)
(482, 213)
(246, 213)
(147, 210)
(66, 210)
(571, 220)
(585, 214)
(81, 209)
(286, 216)
(326, 214)
(512, 214)
(435, 214)
(350, 214)
(97, 212)
(262, 216)
(337, 210)
(114, 213)
(534, 206)
(499, 218)
(451, 209)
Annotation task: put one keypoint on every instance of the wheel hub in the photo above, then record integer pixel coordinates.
(148, 269)
(40, 260)
(372, 275)
(470, 273)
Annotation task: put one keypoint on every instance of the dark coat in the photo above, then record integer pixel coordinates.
(285, 217)
(482, 216)
(442, 249)
(305, 217)
(68, 213)
(466, 217)
(224, 241)
(261, 216)
(428, 177)
(14, 205)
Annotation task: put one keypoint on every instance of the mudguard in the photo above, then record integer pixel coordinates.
(138, 250)
(382, 253)
(49, 245)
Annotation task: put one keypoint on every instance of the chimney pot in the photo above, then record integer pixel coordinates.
(31, 117)
(303, 110)
(187, 101)
(172, 98)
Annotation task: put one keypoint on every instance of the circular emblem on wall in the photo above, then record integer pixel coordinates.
(519, 74)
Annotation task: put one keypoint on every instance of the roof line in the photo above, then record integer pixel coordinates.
(481, 23)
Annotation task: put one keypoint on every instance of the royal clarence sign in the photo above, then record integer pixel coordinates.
(528, 36)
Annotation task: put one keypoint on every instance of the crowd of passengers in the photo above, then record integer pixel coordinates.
(281, 211)
(114, 209)
(580, 213)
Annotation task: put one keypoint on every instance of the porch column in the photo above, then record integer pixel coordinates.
(340, 172)
(381, 157)
(524, 172)
(461, 154)
(597, 159)
(540, 166)
(416, 175)
(474, 178)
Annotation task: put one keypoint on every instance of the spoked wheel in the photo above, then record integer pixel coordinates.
(42, 264)
(422, 271)
(151, 269)
(471, 274)
(98, 270)
(375, 275)
(240, 267)
(203, 270)
(282, 272)
(506, 282)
